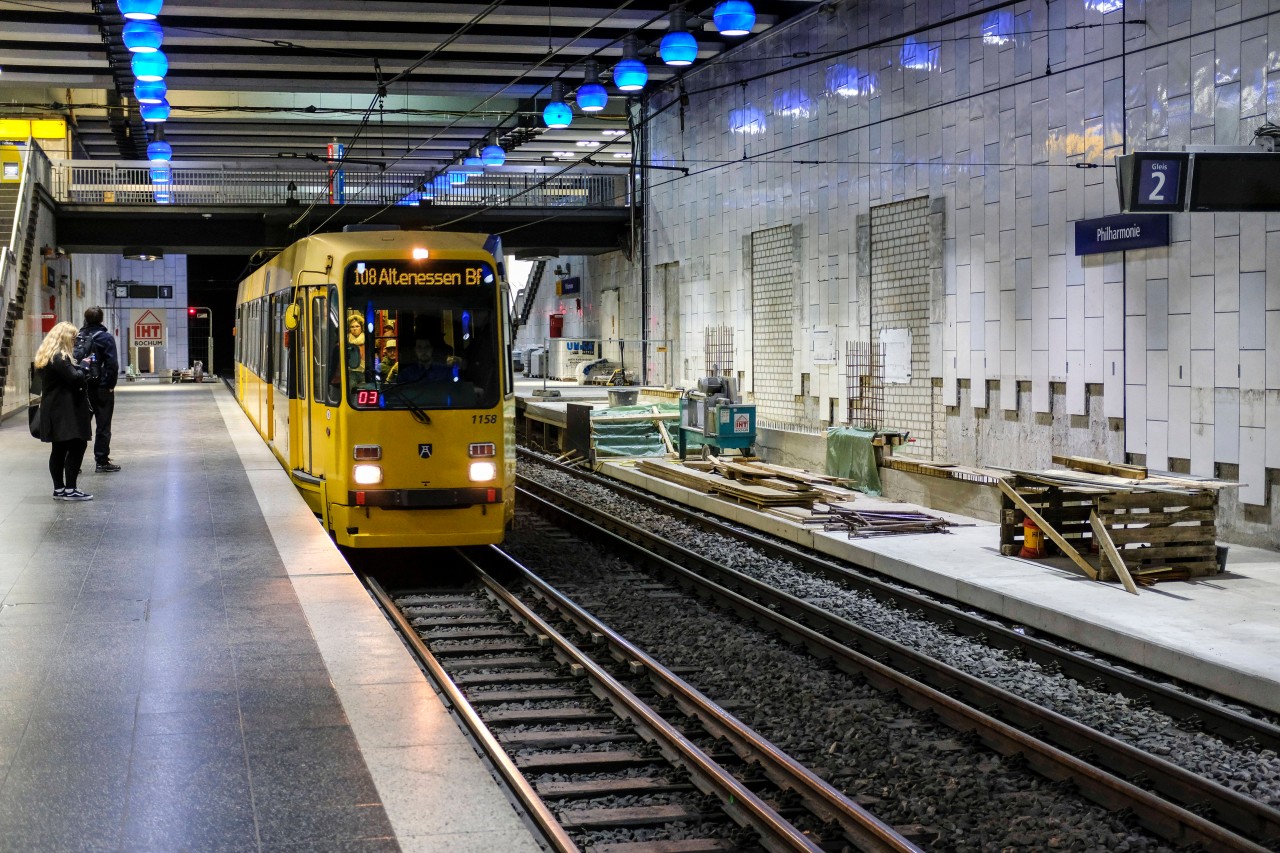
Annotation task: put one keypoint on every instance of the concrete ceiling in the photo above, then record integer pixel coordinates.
(403, 85)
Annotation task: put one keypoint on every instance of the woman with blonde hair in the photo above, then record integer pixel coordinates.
(64, 410)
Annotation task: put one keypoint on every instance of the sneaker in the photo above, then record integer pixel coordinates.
(107, 468)
(75, 495)
(59, 494)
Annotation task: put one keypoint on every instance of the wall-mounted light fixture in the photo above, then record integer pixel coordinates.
(141, 253)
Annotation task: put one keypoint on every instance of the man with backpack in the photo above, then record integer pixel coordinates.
(94, 341)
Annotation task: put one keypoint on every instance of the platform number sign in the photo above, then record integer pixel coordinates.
(1153, 181)
(1158, 182)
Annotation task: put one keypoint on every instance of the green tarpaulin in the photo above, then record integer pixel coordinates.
(850, 454)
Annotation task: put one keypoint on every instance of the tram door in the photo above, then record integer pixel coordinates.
(313, 378)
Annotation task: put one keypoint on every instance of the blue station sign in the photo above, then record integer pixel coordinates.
(1121, 232)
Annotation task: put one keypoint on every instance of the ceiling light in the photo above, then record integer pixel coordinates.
(140, 10)
(568, 155)
(149, 67)
(591, 96)
(678, 46)
(143, 253)
(492, 154)
(588, 142)
(734, 17)
(622, 155)
(614, 132)
(472, 164)
(630, 75)
(154, 112)
(159, 151)
(557, 113)
(151, 92)
(142, 36)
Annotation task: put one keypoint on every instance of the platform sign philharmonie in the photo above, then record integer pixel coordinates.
(1121, 232)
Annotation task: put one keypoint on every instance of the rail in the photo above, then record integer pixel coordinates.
(130, 183)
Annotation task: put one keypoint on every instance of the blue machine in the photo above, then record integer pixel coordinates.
(716, 417)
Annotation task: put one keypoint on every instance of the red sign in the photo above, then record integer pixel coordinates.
(148, 330)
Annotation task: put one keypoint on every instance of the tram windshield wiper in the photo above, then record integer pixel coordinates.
(419, 414)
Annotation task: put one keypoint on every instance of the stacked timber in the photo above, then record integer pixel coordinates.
(736, 481)
(1116, 521)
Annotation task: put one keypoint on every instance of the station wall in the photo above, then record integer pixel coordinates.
(1005, 123)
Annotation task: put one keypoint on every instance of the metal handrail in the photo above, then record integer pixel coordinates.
(130, 183)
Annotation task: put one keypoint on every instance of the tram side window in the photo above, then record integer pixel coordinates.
(319, 360)
(279, 302)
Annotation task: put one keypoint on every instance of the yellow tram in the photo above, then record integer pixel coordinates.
(376, 365)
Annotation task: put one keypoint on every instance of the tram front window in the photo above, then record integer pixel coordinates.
(420, 335)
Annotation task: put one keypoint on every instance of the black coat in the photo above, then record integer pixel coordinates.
(64, 407)
(104, 347)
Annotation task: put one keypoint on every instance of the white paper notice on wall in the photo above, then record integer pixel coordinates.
(823, 345)
(896, 346)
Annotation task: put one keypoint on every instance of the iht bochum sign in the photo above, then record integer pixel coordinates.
(1121, 232)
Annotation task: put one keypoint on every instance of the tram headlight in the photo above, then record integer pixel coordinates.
(368, 475)
(483, 471)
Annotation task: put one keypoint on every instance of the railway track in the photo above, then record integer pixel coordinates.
(1193, 711)
(621, 775)
(1169, 800)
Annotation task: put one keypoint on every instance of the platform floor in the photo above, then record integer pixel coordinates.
(186, 662)
(1220, 632)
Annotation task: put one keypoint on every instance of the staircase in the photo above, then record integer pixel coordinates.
(530, 292)
(15, 307)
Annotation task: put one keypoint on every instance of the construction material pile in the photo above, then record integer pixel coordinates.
(864, 523)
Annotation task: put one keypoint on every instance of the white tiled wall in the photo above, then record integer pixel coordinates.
(1180, 342)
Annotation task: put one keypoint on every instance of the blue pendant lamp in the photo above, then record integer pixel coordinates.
(557, 113)
(159, 151)
(734, 17)
(140, 10)
(456, 177)
(155, 113)
(630, 75)
(678, 46)
(152, 92)
(163, 196)
(591, 96)
(142, 36)
(150, 67)
(161, 173)
(441, 183)
(492, 154)
(472, 164)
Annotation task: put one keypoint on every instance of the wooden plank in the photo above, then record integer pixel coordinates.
(666, 438)
(1158, 500)
(1113, 519)
(1102, 466)
(1170, 553)
(1112, 555)
(1048, 530)
(1160, 535)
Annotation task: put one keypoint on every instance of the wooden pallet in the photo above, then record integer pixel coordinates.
(1115, 532)
(761, 493)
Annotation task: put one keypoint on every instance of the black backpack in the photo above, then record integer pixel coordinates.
(83, 349)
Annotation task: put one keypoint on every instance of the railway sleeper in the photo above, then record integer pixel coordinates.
(563, 738)
(579, 762)
(632, 816)
(587, 788)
